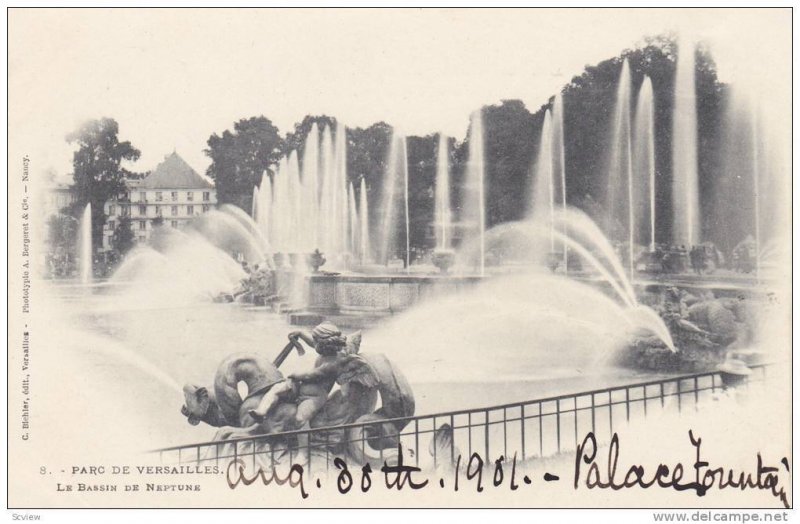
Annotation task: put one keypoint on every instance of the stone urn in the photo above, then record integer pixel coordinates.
(316, 260)
(443, 259)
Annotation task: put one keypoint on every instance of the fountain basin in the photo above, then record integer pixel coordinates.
(378, 295)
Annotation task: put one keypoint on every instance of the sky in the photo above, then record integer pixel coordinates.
(171, 78)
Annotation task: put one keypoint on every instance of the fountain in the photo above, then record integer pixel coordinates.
(543, 206)
(340, 199)
(620, 173)
(296, 212)
(559, 158)
(644, 152)
(474, 198)
(442, 214)
(254, 205)
(85, 245)
(586, 240)
(396, 174)
(310, 182)
(685, 190)
(352, 242)
(264, 207)
(363, 210)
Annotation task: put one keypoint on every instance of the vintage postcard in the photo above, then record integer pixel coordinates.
(400, 258)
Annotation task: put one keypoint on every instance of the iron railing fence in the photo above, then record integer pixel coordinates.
(524, 430)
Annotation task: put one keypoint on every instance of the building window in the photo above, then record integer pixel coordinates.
(124, 210)
(143, 225)
(143, 210)
(206, 207)
(174, 196)
(111, 209)
(142, 196)
(189, 196)
(159, 196)
(174, 223)
(190, 210)
(159, 211)
(206, 196)
(174, 211)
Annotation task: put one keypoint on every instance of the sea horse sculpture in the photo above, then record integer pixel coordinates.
(363, 380)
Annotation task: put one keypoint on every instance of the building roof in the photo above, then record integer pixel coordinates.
(173, 173)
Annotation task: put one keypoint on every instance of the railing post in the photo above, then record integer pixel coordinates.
(308, 450)
(416, 437)
(541, 432)
(486, 436)
(469, 434)
(453, 440)
(522, 428)
(435, 450)
(575, 406)
(505, 435)
(558, 425)
(627, 404)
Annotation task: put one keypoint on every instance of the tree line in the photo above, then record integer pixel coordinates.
(254, 146)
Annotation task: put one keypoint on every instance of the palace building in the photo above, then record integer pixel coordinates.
(172, 192)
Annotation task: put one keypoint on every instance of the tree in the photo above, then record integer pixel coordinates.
(367, 158)
(98, 172)
(240, 157)
(62, 232)
(123, 239)
(296, 140)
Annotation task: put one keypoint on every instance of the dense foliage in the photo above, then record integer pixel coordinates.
(98, 173)
(511, 146)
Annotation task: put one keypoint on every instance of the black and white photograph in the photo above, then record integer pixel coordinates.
(401, 258)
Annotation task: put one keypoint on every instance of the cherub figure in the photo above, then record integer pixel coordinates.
(311, 389)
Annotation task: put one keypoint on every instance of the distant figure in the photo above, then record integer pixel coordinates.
(697, 259)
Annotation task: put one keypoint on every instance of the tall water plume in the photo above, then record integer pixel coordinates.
(542, 202)
(306, 207)
(395, 204)
(352, 211)
(620, 173)
(85, 245)
(559, 161)
(685, 190)
(341, 202)
(443, 214)
(644, 154)
(254, 205)
(474, 198)
(296, 216)
(327, 192)
(363, 211)
(264, 207)
(310, 181)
